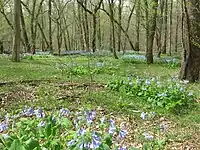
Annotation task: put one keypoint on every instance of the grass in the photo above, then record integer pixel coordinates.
(58, 87)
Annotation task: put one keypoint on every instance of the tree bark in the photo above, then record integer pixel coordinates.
(119, 34)
(152, 29)
(50, 27)
(191, 59)
(164, 49)
(16, 41)
(137, 44)
(170, 34)
(23, 25)
(1, 47)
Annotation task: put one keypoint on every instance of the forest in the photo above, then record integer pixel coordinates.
(99, 74)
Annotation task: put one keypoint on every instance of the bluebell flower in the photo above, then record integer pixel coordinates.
(122, 148)
(122, 134)
(28, 112)
(3, 127)
(147, 82)
(100, 64)
(41, 124)
(90, 116)
(148, 136)
(81, 132)
(164, 94)
(190, 93)
(39, 113)
(112, 127)
(71, 143)
(144, 115)
(96, 141)
(64, 112)
(163, 127)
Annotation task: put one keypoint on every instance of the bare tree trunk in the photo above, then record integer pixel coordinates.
(137, 44)
(160, 28)
(99, 31)
(94, 16)
(1, 47)
(191, 60)
(16, 41)
(164, 49)
(80, 27)
(177, 29)
(170, 34)
(111, 7)
(26, 40)
(32, 27)
(147, 24)
(152, 29)
(50, 27)
(120, 24)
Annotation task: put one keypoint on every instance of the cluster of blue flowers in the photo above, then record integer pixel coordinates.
(90, 130)
(167, 94)
(142, 58)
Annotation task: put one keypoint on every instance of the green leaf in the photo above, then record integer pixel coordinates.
(66, 123)
(32, 143)
(16, 145)
(108, 140)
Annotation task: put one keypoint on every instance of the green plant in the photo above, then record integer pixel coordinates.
(171, 95)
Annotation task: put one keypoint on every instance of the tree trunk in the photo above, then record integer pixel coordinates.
(32, 27)
(16, 41)
(26, 40)
(152, 29)
(170, 34)
(137, 44)
(50, 27)
(94, 16)
(160, 28)
(164, 49)
(147, 24)
(111, 6)
(177, 29)
(191, 59)
(80, 20)
(119, 26)
(1, 47)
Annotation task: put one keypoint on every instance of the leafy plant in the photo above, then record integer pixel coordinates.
(171, 95)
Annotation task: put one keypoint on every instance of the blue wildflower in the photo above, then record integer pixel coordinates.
(190, 93)
(122, 133)
(112, 127)
(39, 113)
(122, 148)
(41, 124)
(64, 112)
(96, 141)
(148, 136)
(71, 143)
(3, 127)
(81, 132)
(144, 115)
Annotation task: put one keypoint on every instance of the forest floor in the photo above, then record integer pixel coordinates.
(70, 82)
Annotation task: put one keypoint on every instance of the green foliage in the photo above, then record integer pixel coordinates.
(170, 95)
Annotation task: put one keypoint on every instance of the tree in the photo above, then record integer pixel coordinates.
(138, 17)
(164, 49)
(16, 41)
(1, 47)
(190, 69)
(151, 32)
